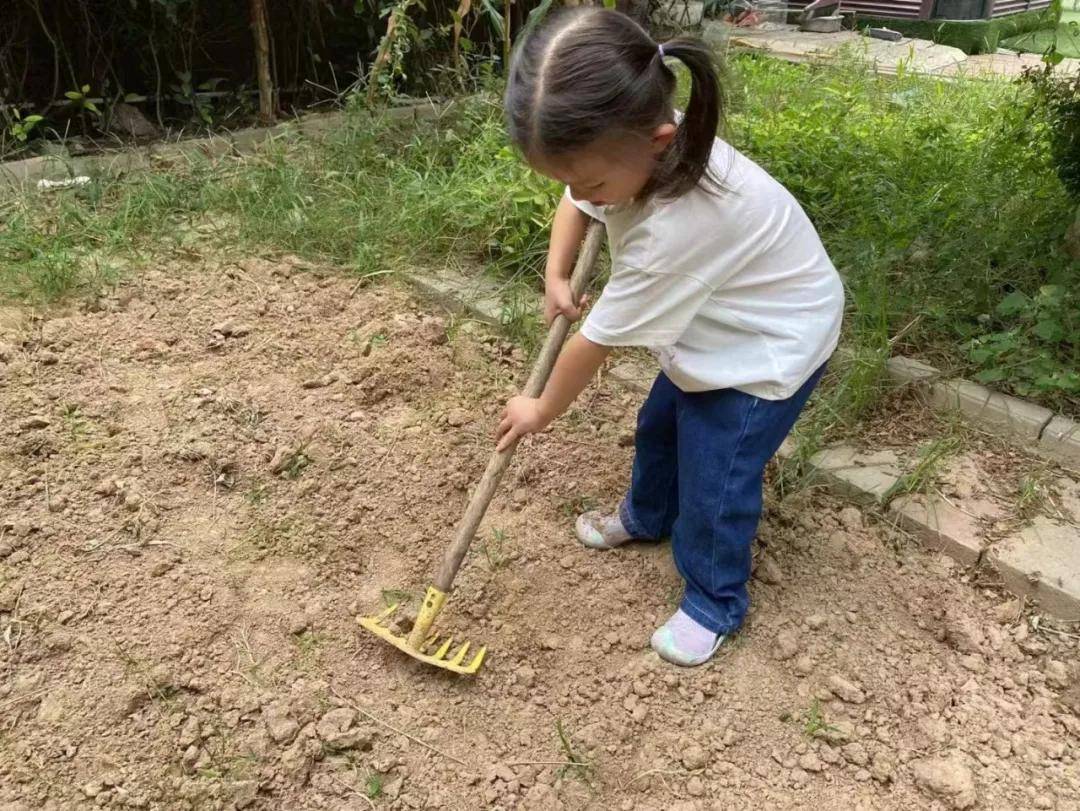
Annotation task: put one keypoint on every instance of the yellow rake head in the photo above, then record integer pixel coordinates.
(422, 645)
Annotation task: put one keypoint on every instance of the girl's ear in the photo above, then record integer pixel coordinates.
(662, 137)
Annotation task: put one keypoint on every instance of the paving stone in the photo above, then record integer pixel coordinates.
(910, 372)
(860, 475)
(1061, 440)
(479, 297)
(1043, 562)
(989, 408)
(940, 526)
(916, 55)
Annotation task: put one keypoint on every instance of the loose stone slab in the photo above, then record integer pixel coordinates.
(1020, 418)
(1043, 562)
(477, 296)
(860, 475)
(1061, 440)
(940, 526)
(910, 372)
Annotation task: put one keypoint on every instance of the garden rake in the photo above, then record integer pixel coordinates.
(421, 643)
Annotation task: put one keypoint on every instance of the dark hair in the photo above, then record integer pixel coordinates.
(591, 72)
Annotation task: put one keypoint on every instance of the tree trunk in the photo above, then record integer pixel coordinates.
(1072, 238)
(506, 37)
(381, 56)
(260, 26)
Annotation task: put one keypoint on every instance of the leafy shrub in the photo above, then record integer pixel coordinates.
(1026, 352)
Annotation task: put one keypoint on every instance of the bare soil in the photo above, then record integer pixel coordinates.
(206, 476)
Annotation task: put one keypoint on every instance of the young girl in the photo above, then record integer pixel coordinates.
(714, 266)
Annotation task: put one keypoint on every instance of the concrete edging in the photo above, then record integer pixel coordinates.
(24, 172)
(1041, 561)
(1043, 432)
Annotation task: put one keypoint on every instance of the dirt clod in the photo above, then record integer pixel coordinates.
(281, 728)
(846, 690)
(948, 778)
(787, 645)
(694, 757)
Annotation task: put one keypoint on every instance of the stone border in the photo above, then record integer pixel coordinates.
(1040, 562)
(24, 172)
(1042, 432)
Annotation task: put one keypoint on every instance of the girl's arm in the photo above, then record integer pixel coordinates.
(567, 231)
(573, 370)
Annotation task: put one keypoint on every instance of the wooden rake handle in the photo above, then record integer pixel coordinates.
(500, 460)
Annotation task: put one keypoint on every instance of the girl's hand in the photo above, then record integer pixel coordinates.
(558, 300)
(523, 415)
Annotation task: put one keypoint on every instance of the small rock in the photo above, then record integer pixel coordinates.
(836, 732)
(804, 665)
(810, 762)
(5, 549)
(50, 710)
(229, 328)
(694, 757)
(851, 518)
(281, 728)
(500, 771)
(883, 767)
(973, 663)
(787, 645)
(93, 788)
(1057, 674)
(695, 787)
(57, 503)
(47, 358)
(337, 730)
(964, 634)
(34, 423)
(1043, 801)
(433, 331)
(298, 624)
(862, 775)
(845, 690)
(160, 568)
(1008, 612)
(19, 556)
(189, 733)
(1002, 746)
(769, 572)
(815, 622)
(947, 778)
(391, 789)
(855, 753)
(458, 417)
(526, 676)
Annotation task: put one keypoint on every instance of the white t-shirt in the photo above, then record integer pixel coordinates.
(733, 290)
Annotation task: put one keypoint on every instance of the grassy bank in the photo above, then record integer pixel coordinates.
(937, 201)
(1065, 37)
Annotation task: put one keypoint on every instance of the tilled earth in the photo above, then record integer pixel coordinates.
(208, 475)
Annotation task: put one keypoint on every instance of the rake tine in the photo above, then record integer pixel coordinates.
(478, 659)
(384, 614)
(459, 657)
(441, 652)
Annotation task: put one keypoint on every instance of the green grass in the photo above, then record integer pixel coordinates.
(1067, 39)
(938, 201)
(970, 36)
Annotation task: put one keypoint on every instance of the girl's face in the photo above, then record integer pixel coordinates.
(610, 171)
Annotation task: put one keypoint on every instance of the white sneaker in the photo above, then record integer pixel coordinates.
(598, 531)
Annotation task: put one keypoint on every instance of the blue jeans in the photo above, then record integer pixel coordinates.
(698, 468)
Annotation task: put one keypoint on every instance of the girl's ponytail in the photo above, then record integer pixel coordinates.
(590, 73)
(685, 164)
